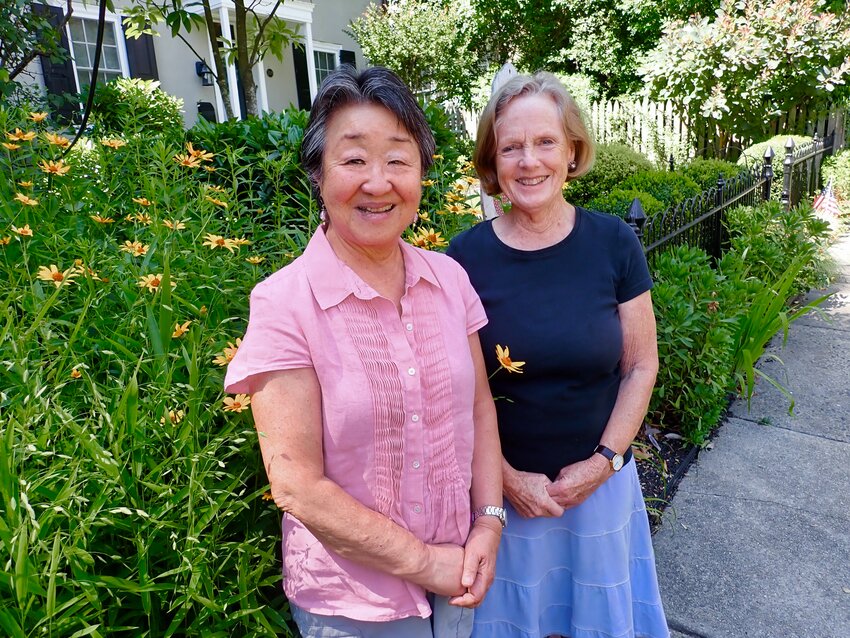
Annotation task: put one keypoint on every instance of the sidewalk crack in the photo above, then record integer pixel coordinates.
(687, 631)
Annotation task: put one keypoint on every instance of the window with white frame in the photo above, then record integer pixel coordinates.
(82, 35)
(326, 59)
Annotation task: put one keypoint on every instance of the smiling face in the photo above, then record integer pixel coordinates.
(370, 181)
(532, 153)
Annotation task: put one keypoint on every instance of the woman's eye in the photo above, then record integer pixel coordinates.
(354, 160)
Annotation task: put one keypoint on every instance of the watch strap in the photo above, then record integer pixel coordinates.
(491, 510)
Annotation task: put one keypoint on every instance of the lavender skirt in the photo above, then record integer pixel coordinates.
(587, 574)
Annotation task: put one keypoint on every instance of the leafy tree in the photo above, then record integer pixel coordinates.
(25, 33)
(604, 39)
(425, 43)
(752, 62)
(255, 36)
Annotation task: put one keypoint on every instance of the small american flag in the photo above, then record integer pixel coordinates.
(826, 203)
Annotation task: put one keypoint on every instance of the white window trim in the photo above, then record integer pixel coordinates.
(325, 47)
(113, 20)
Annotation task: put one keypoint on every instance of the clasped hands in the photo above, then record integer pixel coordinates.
(465, 573)
(534, 494)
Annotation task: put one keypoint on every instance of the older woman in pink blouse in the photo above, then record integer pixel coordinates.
(369, 392)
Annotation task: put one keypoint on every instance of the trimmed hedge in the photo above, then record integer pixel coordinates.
(668, 188)
(614, 164)
(618, 201)
(706, 171)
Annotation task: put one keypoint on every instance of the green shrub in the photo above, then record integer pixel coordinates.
(755, 153)
(614, 164)
(706, 171)
(669, 188)
(131, 107)
(618, 201)
(696, 307)
(770, 240)
(837, 168)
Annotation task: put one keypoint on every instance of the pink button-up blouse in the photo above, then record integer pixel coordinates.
(397, 397)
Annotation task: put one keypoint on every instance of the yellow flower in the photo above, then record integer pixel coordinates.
(11, 147)
(435, 238)
(202, 311)
(102, 220)
(215, 201)
(174, 417)
(428, 182)
(153, 282)
(436, 157)
(142, 201)
(54, 168)
(144, 218)
(58, 140)
(76, 374)
(180, 329)
(217, 241)
(239, 403)
(26, 231)
(85, 270)
(113, 142)
(199, 153)
(217, 189)
(27, 201)
(20, 136)
(428, 238)
(187, 160)
(255, 259)
(56, 276)
(504, 357)
(5, 241)
(457, 209)
(424, 216)
(241, 241)
(135, 248)
(453, 197)
(25, 184)
(174, 224)
(267, 496)
(228, 353)
(38, 117)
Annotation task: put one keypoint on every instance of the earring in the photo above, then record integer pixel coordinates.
(415, 217)
(572, 165)
(323, 216)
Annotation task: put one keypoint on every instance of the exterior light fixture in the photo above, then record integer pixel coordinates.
(203, 72)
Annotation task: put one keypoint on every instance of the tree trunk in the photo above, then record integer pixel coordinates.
(243, 61)
(218, 60)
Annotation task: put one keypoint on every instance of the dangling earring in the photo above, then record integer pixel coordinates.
(323, 216)
(572, 165)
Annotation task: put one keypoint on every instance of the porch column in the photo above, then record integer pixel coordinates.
(224, 20)
(311, 59)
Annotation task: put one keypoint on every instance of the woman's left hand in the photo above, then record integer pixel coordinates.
(576, 482)
(479, 562)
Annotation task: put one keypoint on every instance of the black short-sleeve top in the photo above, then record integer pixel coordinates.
(556, 309)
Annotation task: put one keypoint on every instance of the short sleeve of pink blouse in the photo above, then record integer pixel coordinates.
(397, 397)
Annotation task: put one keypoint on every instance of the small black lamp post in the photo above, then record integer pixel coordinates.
(203, 72)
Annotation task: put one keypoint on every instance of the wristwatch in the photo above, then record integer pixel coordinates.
(616, 460)
(491, 510)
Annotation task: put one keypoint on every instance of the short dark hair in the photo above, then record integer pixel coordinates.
(375, 85)
(541, 83)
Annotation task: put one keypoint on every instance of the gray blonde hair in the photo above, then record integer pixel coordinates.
(376, 85)
(541, 83)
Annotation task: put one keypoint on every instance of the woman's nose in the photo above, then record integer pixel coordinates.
(376, 181)
(528, 156)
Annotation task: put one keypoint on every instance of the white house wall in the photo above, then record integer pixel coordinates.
(176, 63)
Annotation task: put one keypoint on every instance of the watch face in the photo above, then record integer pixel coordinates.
(617, 462)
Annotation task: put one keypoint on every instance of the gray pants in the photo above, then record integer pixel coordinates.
(446, 621)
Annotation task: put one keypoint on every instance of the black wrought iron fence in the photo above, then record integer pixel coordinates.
(699, 221)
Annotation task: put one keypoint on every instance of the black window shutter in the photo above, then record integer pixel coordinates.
(348, 57)
(141, 56)
(302, 78)
(59, 76)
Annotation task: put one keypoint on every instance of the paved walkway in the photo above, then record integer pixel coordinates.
(756, 542)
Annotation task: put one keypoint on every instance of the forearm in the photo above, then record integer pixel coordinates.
(350, 529)
(630, 407)
(486, 458)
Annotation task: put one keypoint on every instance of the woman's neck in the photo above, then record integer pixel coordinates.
(527, 230)
(382, 268)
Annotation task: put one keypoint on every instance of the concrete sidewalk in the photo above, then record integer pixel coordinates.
(756, 542)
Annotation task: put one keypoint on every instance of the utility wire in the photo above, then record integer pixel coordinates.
(101, 22)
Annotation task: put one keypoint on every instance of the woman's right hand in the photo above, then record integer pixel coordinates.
(443, 571)
(528, 494)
